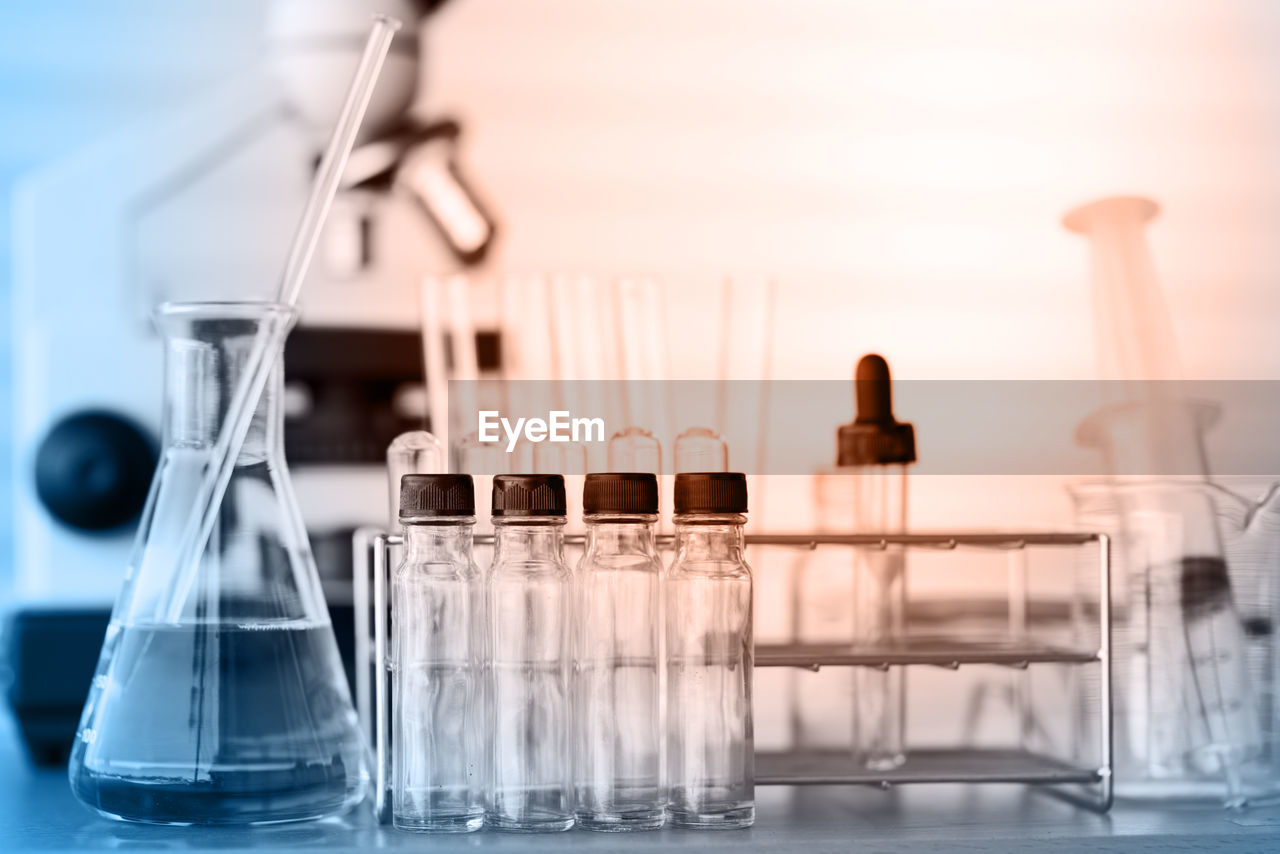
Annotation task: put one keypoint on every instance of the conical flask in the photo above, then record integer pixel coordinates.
(219, 696)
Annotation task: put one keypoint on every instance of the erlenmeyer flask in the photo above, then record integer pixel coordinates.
(219, 696)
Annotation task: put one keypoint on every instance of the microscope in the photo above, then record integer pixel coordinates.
(216, 185)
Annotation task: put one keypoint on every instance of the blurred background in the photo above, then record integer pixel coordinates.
(898, 172)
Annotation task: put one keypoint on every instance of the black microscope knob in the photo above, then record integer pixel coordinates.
(93, 470)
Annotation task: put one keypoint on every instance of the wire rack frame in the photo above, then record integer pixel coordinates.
(1089, 787)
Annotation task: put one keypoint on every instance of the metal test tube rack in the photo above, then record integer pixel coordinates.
(1088, 785)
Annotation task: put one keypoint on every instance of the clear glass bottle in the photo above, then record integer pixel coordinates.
(529, 656)
(617, 650)
(219, 696)
(710, 743)
(875, 451)
(435, 661)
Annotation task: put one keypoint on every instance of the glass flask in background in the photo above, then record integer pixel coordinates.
(822, 599)
(616, 654)
(529, 595)
(876, 449)
(219, 696)
(710, 743)
(435, 661)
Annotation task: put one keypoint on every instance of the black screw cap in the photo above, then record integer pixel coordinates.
(711, 492)
(528, 495)
(435, 495)
(620, 492)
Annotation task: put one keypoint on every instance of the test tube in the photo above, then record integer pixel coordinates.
(462, 339)
(435, 360)
(822, 599)
(635, 448)
(597, 390)
(747, 334)
(415, 452)
(701, 449)
(576, 342)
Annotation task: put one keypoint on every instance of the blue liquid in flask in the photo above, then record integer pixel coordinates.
(219, 697)
(212, 724)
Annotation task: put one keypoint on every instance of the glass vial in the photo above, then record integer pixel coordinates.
(435, 663)
(529, 601)
(880, 610)
(616, 679)
(875, 451)
(710, 747)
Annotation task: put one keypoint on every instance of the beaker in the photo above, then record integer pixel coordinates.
(219, 696)
(1195, 700)
(1159, 715)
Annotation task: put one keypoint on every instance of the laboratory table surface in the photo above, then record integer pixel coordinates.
(37, 812)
